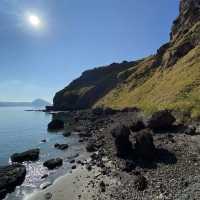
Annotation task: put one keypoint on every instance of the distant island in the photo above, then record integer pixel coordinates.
(35, 103)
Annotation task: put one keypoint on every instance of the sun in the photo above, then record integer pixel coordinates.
(34, 20)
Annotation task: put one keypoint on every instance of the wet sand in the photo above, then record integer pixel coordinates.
(75, 185)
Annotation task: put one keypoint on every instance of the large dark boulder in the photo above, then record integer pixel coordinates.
(144, 145)
(53, 163)
(30, 155)
(55, 125)
(123, 145)
(137, 125)
(161, 120)
(10, 177)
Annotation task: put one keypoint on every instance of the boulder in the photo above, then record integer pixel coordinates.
(61, 146)
(190, 130)
(53, 163)
(55, 125)
(73, 166)
(91, 146)
(123, 145)
(30, 155)
(140, 183)
(144, 145)
(10, 177)
(137, 125)
(67, 134)
(161, 120)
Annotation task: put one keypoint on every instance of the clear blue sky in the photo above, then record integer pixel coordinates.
(74, 35)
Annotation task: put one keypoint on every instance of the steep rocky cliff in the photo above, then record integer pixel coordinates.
(168, 79)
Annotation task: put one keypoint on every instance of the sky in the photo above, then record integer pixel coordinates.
(74, 35)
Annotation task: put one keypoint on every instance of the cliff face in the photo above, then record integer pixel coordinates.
(170, 78)
(189, 15)
(90, 87)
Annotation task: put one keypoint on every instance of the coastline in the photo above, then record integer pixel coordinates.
(79, 184)
(70, 185)
(100, 172)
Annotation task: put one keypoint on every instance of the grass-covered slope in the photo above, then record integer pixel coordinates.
(168, 79)
(177, 87)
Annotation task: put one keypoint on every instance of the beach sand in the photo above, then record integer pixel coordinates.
(81, 184)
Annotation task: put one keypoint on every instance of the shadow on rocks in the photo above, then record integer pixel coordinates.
(165, 156)
(161, 156)
(143, 153)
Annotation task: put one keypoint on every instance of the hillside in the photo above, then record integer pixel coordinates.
(168, 79)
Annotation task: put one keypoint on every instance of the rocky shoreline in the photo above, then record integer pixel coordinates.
(161, 162)
(139, 157)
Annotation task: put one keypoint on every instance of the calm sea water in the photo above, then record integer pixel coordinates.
(21, 130)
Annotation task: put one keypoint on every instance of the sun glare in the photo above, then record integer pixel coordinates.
(34, 20)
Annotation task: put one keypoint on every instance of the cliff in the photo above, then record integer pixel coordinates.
(168, 79)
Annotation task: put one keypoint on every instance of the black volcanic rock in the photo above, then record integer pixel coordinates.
(67, 134)
(53, 163)
(137, 125)
(10, 177)
(55, 125)
(91, 146)
(161, 120)
(30, 155)
(123, 145)
(144, 145)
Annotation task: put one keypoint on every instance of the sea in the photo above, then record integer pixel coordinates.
(21, 130)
